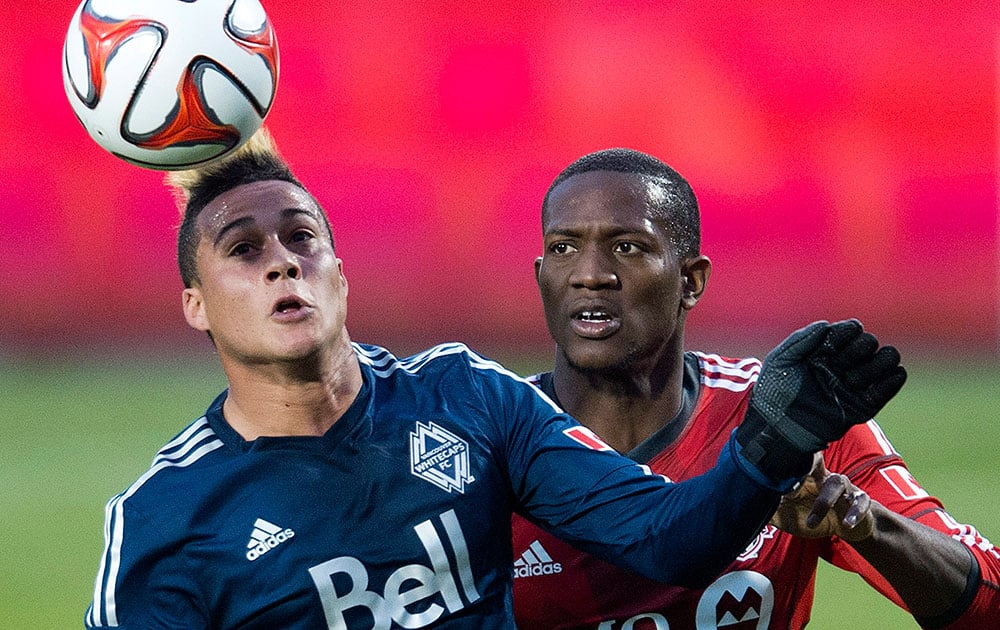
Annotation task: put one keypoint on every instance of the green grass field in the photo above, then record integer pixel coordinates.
(73, 434)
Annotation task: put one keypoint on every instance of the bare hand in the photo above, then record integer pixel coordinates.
(827, 504)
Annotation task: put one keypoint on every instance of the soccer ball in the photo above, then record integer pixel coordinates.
(170, 84)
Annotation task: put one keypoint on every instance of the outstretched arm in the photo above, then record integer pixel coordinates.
(929, 571)
(932, 573)
(812, 388)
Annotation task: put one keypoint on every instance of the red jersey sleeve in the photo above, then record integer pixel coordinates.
(867, 457)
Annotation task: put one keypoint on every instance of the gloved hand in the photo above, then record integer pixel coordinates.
(812, 388)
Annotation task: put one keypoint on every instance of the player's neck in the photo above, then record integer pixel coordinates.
(284, 400)
(624, 410)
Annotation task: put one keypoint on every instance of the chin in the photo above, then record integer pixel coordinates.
(291, 350)
(608, 359)
(598, 363)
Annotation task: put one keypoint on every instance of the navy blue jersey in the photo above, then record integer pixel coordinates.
(399, 516)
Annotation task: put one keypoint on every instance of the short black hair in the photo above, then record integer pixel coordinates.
(677, 211)
(257, 160)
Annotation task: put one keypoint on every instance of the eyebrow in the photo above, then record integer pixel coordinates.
(608, 232)
(248, 220)
(230, 227)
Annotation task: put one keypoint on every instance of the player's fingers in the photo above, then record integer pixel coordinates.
(879, 364)
(801, 343)
(834, 487)
(882, 391)
(819, 471)
(857, 352)
(830, 491)
(858, 505)
(840, 335)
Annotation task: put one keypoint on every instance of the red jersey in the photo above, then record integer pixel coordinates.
(771, 584)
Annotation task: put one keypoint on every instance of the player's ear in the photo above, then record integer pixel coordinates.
(343, 278)
(194, 309)
(694, 278)
(538, 268)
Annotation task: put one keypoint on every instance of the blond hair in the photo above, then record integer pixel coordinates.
(183, 183)
(256, 160)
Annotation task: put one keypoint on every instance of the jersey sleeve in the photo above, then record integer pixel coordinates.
(567, 480)
(867, 457)
(142, 582)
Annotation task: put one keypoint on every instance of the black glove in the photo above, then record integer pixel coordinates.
(862, 376)
(813, 387)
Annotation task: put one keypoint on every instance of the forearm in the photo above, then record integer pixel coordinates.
(927, 569)
(685, 536)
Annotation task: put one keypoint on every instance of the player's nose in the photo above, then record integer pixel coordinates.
(592, 269)
(282, 264)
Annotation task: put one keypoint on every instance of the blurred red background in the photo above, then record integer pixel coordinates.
(844, 154)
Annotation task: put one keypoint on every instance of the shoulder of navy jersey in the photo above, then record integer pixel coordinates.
(182, 455)
(198, 444)
(439, 357)
(441, 360)
(173, 467)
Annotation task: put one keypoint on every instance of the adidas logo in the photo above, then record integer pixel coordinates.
(265, 537)
(535, 561)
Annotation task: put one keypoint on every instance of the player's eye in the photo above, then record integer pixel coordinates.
(300, 236)
(561, 247)
(627, 247)
(241, 249)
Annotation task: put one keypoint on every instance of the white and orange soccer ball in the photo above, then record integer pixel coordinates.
(170, 84)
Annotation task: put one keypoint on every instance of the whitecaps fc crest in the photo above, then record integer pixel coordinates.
(440, 457)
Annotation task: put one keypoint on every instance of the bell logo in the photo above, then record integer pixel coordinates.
(432, 589)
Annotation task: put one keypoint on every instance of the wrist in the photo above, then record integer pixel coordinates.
(770, 451)
(868, 534)
(766, 476)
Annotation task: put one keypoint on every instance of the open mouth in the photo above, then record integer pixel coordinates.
(593, 316)
(595, 324)
(287, 306)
